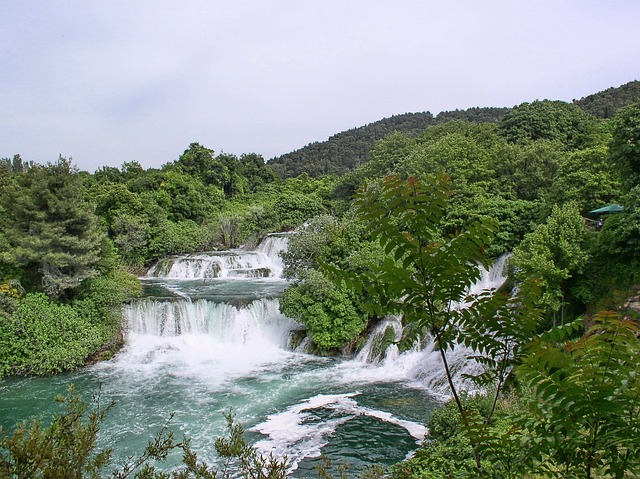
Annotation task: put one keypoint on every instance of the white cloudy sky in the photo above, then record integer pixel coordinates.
(112, 81)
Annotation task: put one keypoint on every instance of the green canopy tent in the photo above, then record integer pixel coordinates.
(614, 208)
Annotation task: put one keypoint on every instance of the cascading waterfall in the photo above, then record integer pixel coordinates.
(209, 308)
(259, 320)
(271, 247)
(264, 262)
(493, 277)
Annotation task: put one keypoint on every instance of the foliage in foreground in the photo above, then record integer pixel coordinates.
(576, 414)
(67, 449)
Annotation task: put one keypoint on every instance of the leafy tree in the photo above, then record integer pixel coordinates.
(257, 221)
(553, 253)
(52, 232)
(131, 170)
(515, 219)
(463, 150)
(322, 239)
(175, 237)
(620, 236)
(107, 174)
(131, 234)
(147, 181)
(326, 309)
(256, 172)
(586, 177)
(427, 278)
(386, 155)
(625, 146)
(198, 161)
(112, 199)
(547, 120)
(527, 170)
(235, 183)
(183, 197)
(294, 208)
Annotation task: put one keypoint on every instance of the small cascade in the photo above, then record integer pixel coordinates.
(263, 262)
(494, 277)
(381, 342)
(272, 246)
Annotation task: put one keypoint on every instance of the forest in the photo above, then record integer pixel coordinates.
(390, 218)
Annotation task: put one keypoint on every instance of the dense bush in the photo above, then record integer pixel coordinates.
(328, 311)
(42, 337)
(173, 238)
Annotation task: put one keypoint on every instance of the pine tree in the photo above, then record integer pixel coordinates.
(52, 233)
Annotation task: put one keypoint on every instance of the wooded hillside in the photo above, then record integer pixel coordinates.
(347, 150)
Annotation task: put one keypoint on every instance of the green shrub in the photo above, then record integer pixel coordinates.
(173, 238)
(43, 337)
(328, 312)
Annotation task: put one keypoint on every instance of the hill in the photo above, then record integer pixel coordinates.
(348, 149)
(606, 103)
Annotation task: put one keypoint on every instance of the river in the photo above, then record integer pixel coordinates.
(208, 338)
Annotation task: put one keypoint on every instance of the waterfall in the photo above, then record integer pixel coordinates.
(272, 246)
(493, 277)
(257, 322)
(381, 360)
(232, 313)
(381, 342)
(263, 262)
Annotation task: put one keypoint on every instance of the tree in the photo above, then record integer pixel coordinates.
(464, 150)
(131, 234)
(256, 172)
(53, 233)
(620, 237)
(586, 177)
(113, 199)
(183, 197)
(553, 253)
(625, 145)
(584, 414)
(326, 309)
(547, 120)
(527, 170)
(294, 208)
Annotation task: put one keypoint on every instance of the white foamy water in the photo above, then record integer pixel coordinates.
(297, 433)
(263, 262)
(421, 366)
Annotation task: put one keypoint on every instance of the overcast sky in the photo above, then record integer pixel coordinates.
(106, 82)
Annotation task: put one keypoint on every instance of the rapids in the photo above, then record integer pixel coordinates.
(208, 338)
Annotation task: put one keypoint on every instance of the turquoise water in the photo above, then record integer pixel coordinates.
(357, 421)
(203, 346)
